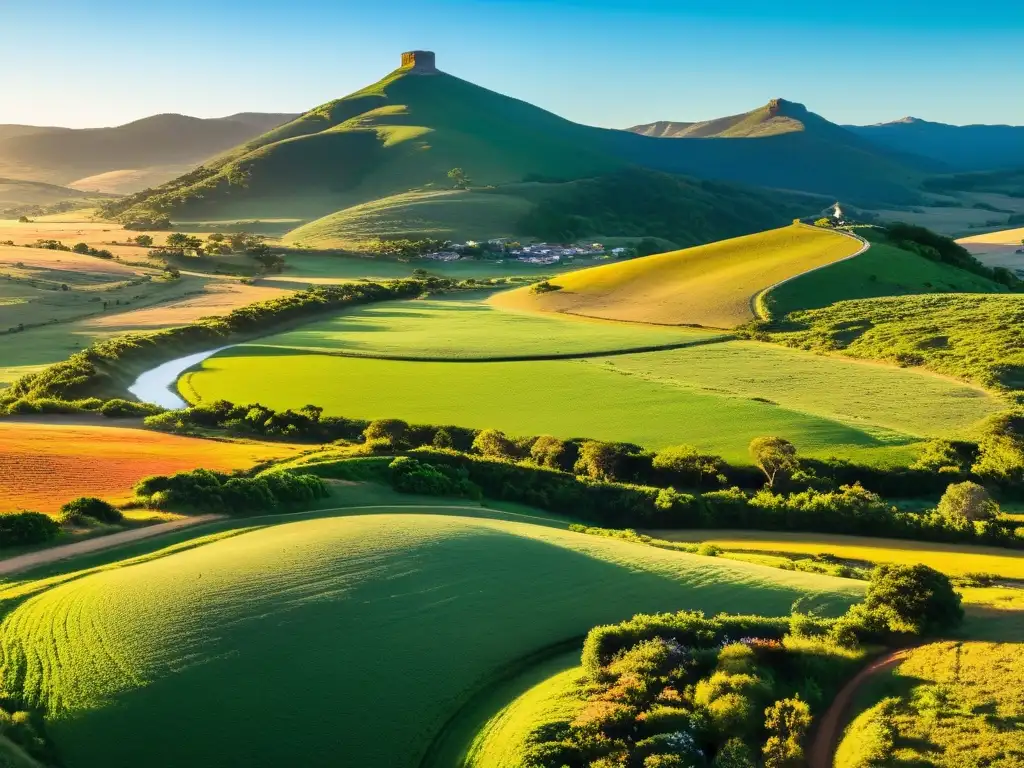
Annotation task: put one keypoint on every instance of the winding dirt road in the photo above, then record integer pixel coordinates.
(64, 551)
(830, 728)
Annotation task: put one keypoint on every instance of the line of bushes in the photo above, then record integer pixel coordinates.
(26, 528)
(204, 491)
(850, 509)
(678, 466)
(90, 372)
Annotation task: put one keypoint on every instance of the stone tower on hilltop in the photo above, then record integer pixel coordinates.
(419, 62)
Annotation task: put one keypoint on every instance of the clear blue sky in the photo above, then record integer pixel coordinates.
(604, 62)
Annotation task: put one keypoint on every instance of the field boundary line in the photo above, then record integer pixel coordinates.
(757, 300)
(724, 337)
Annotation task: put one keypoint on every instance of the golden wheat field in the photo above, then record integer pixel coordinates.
(711, 285)
(43, 465)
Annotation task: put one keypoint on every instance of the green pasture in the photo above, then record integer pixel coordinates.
(457, 328)
(352, 638)
(716, 396)
(972, 336)
(882, 270)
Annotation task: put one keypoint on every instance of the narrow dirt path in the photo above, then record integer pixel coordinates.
(64, 551)
(830, 728)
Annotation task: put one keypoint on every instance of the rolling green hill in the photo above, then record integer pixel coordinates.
(340, 640)
(405, 132)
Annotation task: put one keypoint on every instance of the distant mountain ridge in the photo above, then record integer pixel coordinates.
(405, 133)
(159, 145)
(961, 147)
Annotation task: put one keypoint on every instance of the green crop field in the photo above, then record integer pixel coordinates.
(711, 285)
(976, 337)
(355, 636)
(456, 328)
(716, 395)
(882, 270)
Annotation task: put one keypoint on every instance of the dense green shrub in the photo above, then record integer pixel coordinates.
(19, 529)
(913, 599)
(411, 476)
(206, 491)
(124, 409)
(89, 506)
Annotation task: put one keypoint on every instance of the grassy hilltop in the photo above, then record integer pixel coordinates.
(408, 130)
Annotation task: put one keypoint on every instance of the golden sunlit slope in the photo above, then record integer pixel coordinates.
(711, 285)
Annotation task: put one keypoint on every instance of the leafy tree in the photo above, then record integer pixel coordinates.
(824, 222)
(548, 451)
(81, 248)
(967, 502)
(491, 442)
(689, 466)
(786, 722)
(601, 461)
(913, 598)
(390, 431)
(1001, 447)
(443, 439)
(459, 178)
(775, 456)
(24, 220)
(177, 240)
(939, 456)
(144, 240)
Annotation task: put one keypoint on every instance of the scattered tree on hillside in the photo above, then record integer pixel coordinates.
(688, 466)
(547, 451)
(967, 502)
(602, 461)
(647, 247)
(24, 220)
(786, 723)
(775, 456)
(388, 433)
(459, 178)
(940, 456)
(495, 444)
(824, 223)
(144, 240)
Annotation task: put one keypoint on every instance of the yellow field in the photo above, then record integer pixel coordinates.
(951, 559)
(955, 705)
(42, 466)
(1005, 237)
(711, 285)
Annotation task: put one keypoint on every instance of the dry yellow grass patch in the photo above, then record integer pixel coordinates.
(711, 285)
(1005, 237)
(218, 297)
(23, 262)
(42, 466)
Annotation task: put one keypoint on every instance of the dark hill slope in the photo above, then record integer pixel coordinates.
(64, 155)
(962, 148)
(406, 131)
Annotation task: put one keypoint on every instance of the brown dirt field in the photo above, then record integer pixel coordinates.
(42, 466)
(219, 297)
